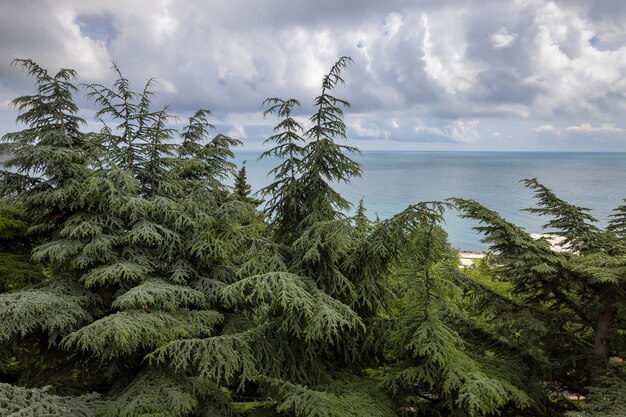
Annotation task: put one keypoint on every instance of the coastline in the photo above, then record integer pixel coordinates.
(470, 258)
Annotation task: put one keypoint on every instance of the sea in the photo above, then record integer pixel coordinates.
(392, 180)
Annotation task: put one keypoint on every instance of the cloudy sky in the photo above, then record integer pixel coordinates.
(427, 75)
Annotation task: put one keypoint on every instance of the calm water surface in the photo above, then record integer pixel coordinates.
(392, 180)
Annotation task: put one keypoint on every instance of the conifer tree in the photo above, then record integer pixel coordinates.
(348, 259)
(242, 189)
(575, 295)
(617, 223)
(312, 330)
(166, 293)
(49, 165)
(362, 224)
(446, 361)
(283, 205)
(123, 279)
(16, 268)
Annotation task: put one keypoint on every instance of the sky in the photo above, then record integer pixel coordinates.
(502, 75)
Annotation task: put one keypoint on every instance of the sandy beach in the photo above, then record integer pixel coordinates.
(468, 258)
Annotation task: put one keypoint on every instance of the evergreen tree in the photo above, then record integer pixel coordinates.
(16, 268)
(575, 295)
(123, 279)
(617, 223)
(242, 189)
(166, 293)
(362, 224)
(348, 259)
(283, 205)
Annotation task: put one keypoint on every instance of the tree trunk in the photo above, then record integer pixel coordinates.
(603, 329)
(601, 345)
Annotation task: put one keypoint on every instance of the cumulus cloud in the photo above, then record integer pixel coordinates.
(581, 129)
(444, 55)
(494, 133)
(445, 64)
(588, 129)
(458, 131)
(572, 76)
(502, 38)
(367, 131)
(237, 131)
(545, 128)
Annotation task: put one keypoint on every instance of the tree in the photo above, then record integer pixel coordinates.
(617, 224)
(283, 205)
(16, 268)
(347, 260)
(576, 295)
(242, 189)
(123, 281)
(137, 309)
(155, 288)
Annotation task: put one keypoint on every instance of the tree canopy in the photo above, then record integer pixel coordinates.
(137, 281)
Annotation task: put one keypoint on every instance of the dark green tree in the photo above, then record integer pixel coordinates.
(575, 294)
(166, 292)
(617, 223)
(284, 194)
(16, 268)
(242, 190)
(123, 280)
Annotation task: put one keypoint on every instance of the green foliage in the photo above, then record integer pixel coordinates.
(220, 358)
(56, 308)
(283, 205)
(242, 189)
(159, 295)
(302, 193)
(110, 210)
(130, 332)
(617, 223)
(441, 366)
(574, 297)
(571, 222)
(155, 393)
(301, 309)
(324, 160)
(606, 400)
(20, 402)
(169, 294)
(16, 269)
(346, 396)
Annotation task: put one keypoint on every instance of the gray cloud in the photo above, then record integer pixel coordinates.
(443, 66)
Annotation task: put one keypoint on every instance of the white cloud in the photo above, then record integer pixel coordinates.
(588, 129)
(365, 131)
(443, 48)
(466, 132)
(165, 85)
(458, 131)
(393, 23)
(571, 75)
(5, 101)
(528, 62)
(237, 132)
(544, 128)
(502, 38)
(494, 133)
(581, 129)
